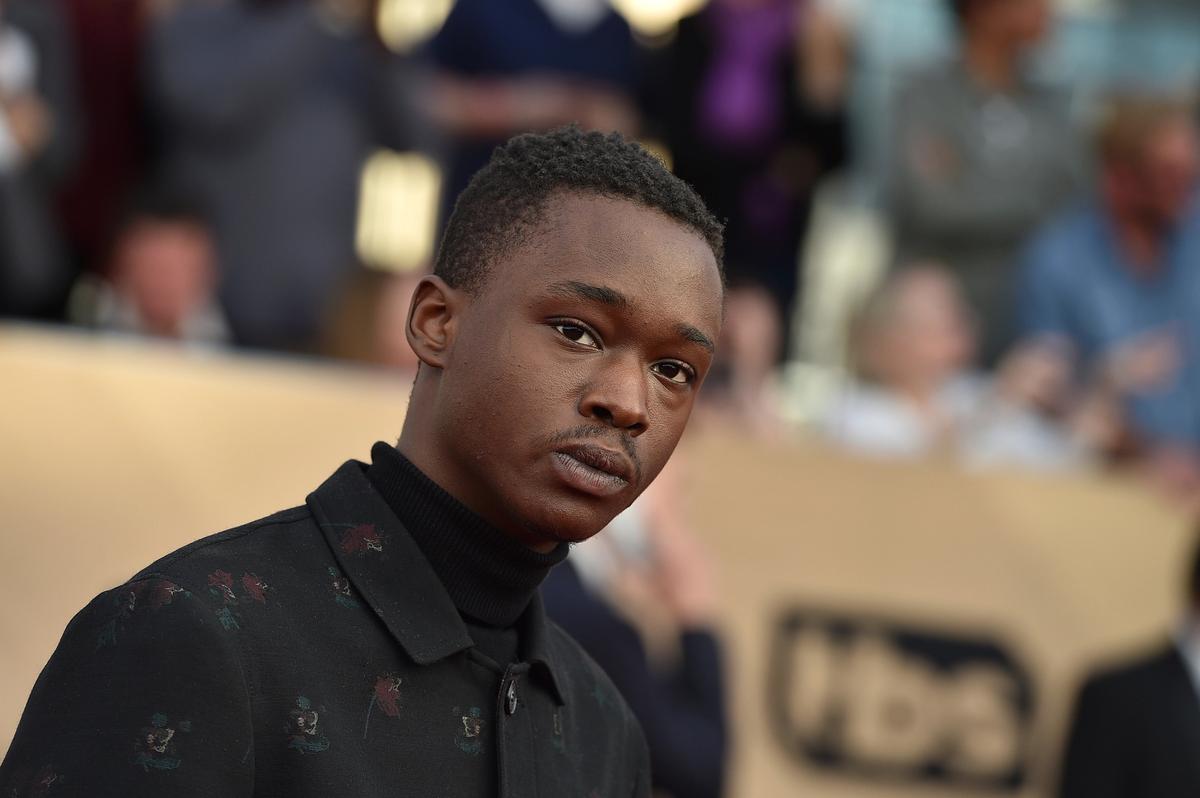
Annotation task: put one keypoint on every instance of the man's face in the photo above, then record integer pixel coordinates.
(1169, 170)
(573, 371)
(1156, 187)
(1021, 22)
(167, 269)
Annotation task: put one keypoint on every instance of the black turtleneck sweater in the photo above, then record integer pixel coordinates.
(489, 576)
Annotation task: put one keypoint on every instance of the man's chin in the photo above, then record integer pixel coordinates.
(566, 524)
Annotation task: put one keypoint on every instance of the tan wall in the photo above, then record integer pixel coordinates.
(112, 454)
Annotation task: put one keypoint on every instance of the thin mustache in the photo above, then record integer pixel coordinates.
(591, 431)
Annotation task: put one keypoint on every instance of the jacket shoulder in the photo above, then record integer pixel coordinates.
(241, 543)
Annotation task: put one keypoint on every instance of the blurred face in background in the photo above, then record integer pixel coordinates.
(752, 335)
(167, 269)
(917, 332)
(1019, 23)
(1156, 186)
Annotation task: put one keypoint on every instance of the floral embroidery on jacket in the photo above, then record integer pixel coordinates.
(556, 739)
(155, 747)
(150, 593)
(341, 589)
(39, 785)
(470, 730)
(255, 588)
(361, 539)
(220, 585)
(386, 696)
(601, 696)
(303, 732)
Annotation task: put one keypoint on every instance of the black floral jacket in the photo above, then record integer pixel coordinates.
(314, 653)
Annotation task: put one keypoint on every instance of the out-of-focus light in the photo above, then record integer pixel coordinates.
(397, 211)
(403, 24)
(654, 18)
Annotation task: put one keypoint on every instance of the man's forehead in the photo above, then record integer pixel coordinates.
(617, 239)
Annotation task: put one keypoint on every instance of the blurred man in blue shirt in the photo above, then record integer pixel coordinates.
(1119, 279)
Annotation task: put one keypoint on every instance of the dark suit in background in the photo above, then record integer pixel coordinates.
(1136, 733)
(269, 115)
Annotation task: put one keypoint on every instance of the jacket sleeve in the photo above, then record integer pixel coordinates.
(143, 697)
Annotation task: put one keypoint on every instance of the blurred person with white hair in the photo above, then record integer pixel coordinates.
(917, 394)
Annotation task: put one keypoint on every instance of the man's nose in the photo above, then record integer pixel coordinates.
(616, 395)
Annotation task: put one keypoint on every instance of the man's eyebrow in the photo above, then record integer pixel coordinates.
(573, 289)
(690, 333)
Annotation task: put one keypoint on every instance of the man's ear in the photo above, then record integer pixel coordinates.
(433, 319)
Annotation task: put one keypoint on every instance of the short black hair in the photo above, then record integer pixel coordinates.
(165, 202)
(507, 198)
(155, 201)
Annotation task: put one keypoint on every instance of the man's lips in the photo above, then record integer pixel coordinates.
(593, 469)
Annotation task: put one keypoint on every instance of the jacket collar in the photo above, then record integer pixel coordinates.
(388, 570)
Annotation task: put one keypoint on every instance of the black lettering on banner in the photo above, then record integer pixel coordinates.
(885, 700)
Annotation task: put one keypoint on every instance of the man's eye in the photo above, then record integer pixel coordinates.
(675, 371)
(576, 333)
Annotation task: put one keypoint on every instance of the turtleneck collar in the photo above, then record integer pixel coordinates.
(489, 576)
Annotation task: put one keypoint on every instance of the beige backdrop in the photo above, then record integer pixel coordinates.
(114, 453)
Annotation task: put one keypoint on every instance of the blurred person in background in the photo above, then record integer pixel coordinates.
(162, 275)
(1119, 279)
(744, 387)
(38, 141)
(270, 108)
(917, 393)
(510, 66)
(749, 95)
(1136, 728)
(107, 40)
(982, 154)
(641, 600)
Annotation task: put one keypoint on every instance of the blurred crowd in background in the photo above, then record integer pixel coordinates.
(959, 229)
(956, 228)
